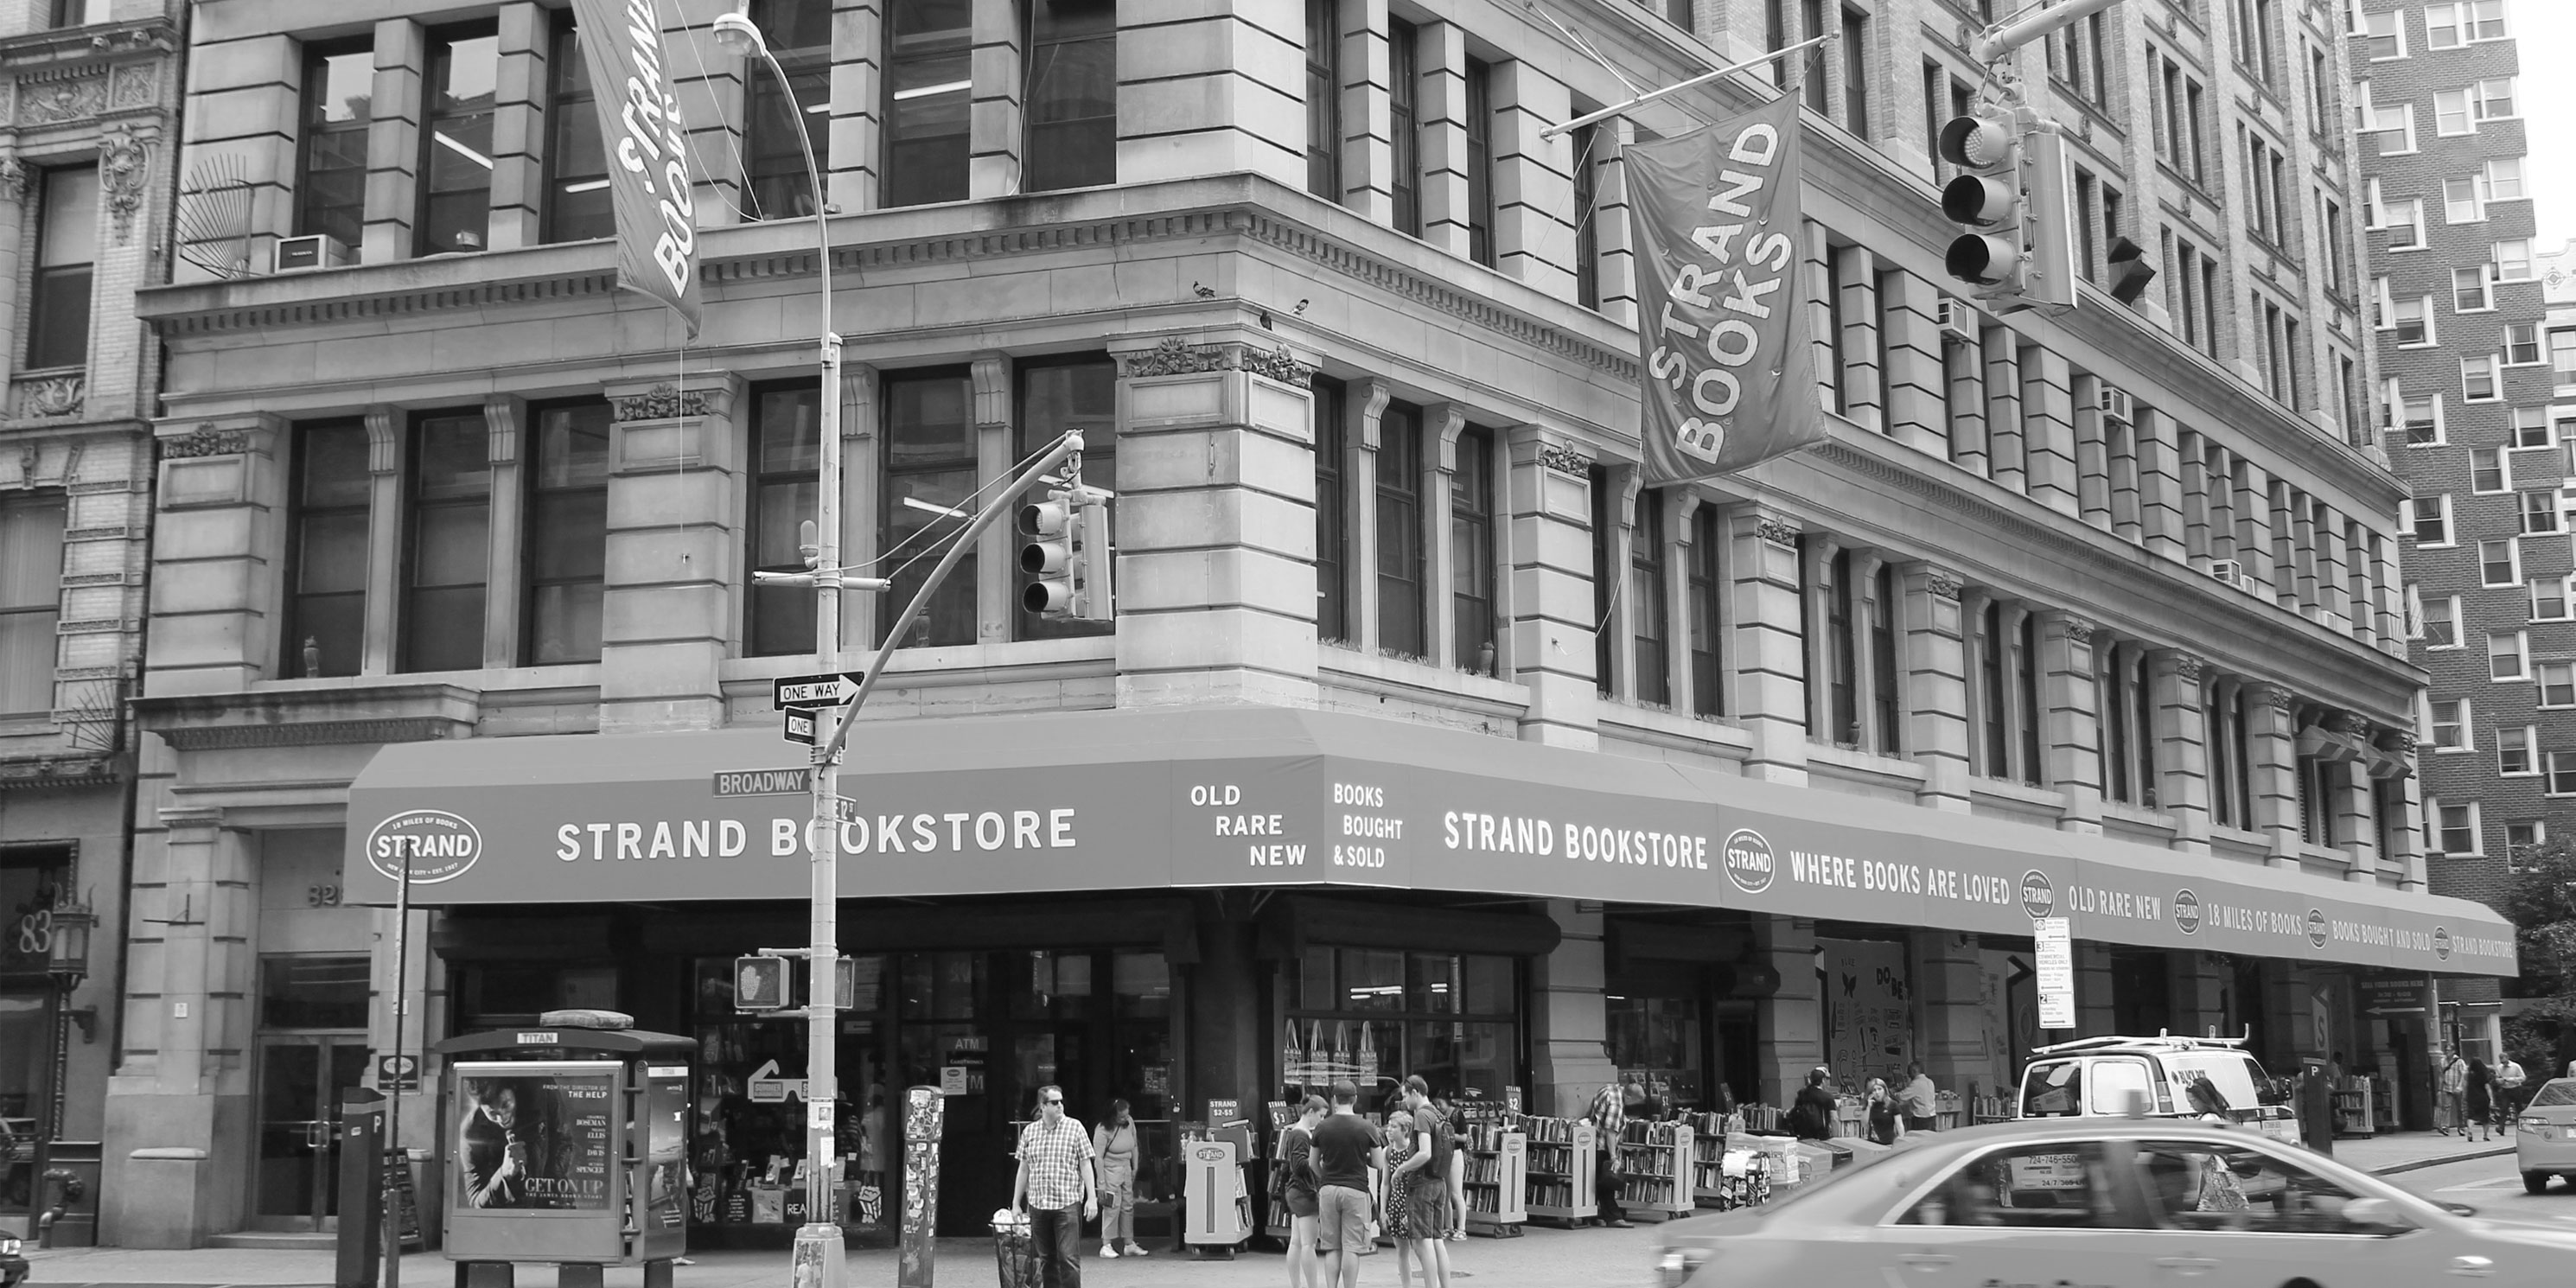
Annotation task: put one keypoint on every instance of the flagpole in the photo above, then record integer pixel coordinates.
(1669, 90)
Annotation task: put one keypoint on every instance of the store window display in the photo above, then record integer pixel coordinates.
(1374, 1015)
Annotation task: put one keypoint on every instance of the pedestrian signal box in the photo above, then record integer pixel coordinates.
(759, 983)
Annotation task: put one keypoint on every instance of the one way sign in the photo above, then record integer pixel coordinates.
(812, 692)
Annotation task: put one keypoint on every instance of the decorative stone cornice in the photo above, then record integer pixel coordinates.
(501, 416)
(205, 440)
(2189, 668)
(1777, 531)
(320, 733)
(1942, 585)
(13, 179)
(384, 438)
(2277, 697)
(2072, 627)
(37, 773)
(661, 402)
(124, 170)
(1565, 458)
(55, 397)
(1177, 357)
(301, 717)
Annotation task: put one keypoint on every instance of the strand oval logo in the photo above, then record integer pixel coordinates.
(2317, 927)
(436, 845)
(2442, 942)
(2038, 896)
(1748, 861)
(2186, 910)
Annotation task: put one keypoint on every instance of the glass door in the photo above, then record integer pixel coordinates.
(295, 1178)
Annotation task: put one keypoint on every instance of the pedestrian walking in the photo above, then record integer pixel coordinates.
(2480, 1089)
(1053, 1187)
(1458, 1174)
(1423, 1177)
(1113, 1143)
(1609, 1123)
(2509, 1079)
(1886, 1123)
(1395, 1201)
(1297, 1190)
(1346, 1149)
(2454, 1088)
(1922, 1101)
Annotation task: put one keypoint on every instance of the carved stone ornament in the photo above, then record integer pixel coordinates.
(2076, 628)
(13, 178)
(2398, 741)
(1779, 532)
(661, 402)
(2278, 698)
(50, 397)
(2190, 667)
(1564, 458)
(1278, 364)
(54, 102)
(124, 167)
(1943, 586)
(2349, 725)
(1175, 357)
(205, 441)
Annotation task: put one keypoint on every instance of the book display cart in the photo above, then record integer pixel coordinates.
(1655, 1171)
(1496, 1163)
(2353, 1107)
(1559, 1170)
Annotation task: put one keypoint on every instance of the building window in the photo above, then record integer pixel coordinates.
(1587, 227)
(2562, 356)
(1707, 624)
(66, 245)
(2540, 511)
(456, 144)
(1332, 508)
(2230, 771)
(1401, 627)
(2442, 27)
(1404, 138)
(786, 466)
(2522, 344)
(2449, 724)
(2404, 222)
(331, 194)
(2494, 99)
(1472, 552)
(2431, 519)
(775, 181)
(1324, 98)
(1072, 106)
(1856, 72)
(2478, 379)
(2562, 773)
(2512, 260)
(326, 610)
(1884, 693)
(2499, 564)
(2557, 684)
(2460, 204)
(567, 555)
(450, 547)
(2513, 750)
(2487, 470)
(1840, 706)
(2531, 427)
(1604, 585)
(2075, 55)
(577, 196)
(928, 84)
(81, 13)
(2505, 656)
(2469, 290)
(2383, 36)
(2459, 827)
(31, 597)
(2503, 180)
(2442, 622)
(930, 477)
(2451, 112)
(1055, 397)
(2411, 319)
(2524, 834)
(1993, 701)
(2549, 599)
(1480, 162)
(1811, 14)
(1649, 607)
(2423, 418)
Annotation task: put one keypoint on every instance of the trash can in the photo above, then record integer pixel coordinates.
(1015, 1249)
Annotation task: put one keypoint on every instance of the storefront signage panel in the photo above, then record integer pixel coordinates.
(1102, 801)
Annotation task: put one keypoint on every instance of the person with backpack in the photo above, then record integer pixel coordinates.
(1811, 1115)
(1294, 1183)
(1425, 1175)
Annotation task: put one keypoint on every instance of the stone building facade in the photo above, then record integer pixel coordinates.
(2094, 615)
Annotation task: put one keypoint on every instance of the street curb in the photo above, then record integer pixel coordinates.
(2445, 1161)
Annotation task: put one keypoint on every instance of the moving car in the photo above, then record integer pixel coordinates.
(2105, 1203)
(2097, 1077)
(2545, 1143)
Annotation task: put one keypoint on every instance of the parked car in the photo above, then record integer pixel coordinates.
(2108, 1203)
(2545, 1143)
(2097, 1077)
(13, 1261)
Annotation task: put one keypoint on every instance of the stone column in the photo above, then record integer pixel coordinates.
(1949, 1021)
(385, 544)
(996, 122)
(2285, 548)
(1864, 397)
(1440, 107)
(1820, 314)
(393, 142)
(2193, 455)
(1937, 713)
(1620, 289)
(712, 102)
(247, 102)
(1365, 405)
(218, 547)
(2092, 452)
(2095, 1015)
(519, 100)
(667, 611)
(2160, 471)
(1766, 654)
(1551, 624)
(1216, 444)
(2222, 505)
(1219, 90)
(1791, 1021)
(2392, 620)
(2405, 857)
(1533, 179)
(2194, 992)
(996, 447)
(1681, 508)
(2128, 516)
(1441, 425)
(1368, 121)
(1815, 588)
(857, 131)
(2334, 588)
(1917, 382)
(2182, 745)
(2048, 416)
(2305, 546)
(2007, 461)
(2071, 728)
(1867, 612)
(1964, 366)
(2360, 593)
(2349, 797)
(1569, 1026)
(2272, 758)
(2253, 512)
(1621, 683)
(504, 568)
(1972, 616)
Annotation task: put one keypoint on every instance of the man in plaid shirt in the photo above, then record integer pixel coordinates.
(1054, 1186)
(1610, 1121)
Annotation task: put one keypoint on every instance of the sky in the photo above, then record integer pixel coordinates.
(2545, 31)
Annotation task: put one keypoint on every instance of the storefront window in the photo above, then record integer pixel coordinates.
(1656, 1043)
(1376, 1015)
(313, 992)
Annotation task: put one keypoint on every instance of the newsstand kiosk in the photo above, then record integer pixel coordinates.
(568, 1146)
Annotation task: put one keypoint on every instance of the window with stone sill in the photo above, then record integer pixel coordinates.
(786, 463)
(31, 593)
(2522, 344)
(1473, 552)
(1332, 513)
(2531, 427)
(930, 472)
(2505, 655)
(448, 552)
(2555, 684)
(2480, 381)
(2502, 181)
(2383, 36)
(577, 195)
(331, 190)
(1071, 109)
(326, 577)
(2513, 260)
(82, 13)
(2523, 834)
(1324, 99)
(2513, 750)
(2549, 599)
(2562, 773)
(2442, 622)
(2500, 564)
(2448, 724)
(776, 183)
(58, 308)
(455, 211)
(567, 533)
(1053, 396)
(2488, 470)
(2469, 290)
(929, 82)
(2458, 826)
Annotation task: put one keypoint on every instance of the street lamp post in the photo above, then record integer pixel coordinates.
(818, 1261)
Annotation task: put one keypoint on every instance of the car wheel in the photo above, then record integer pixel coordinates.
(2534, 1182)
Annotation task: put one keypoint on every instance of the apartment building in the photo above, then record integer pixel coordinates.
(88, 99)
(2466, 384)
(1426, 739)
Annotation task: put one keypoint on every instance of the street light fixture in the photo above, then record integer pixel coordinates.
(67, 957)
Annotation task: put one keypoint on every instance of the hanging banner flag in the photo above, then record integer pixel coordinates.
(648, 173)
(1721, 305)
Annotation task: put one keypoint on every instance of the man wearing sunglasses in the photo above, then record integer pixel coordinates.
(1055, 1172)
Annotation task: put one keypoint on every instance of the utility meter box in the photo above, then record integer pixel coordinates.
(567, 1144)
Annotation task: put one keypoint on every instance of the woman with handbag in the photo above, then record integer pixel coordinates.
(1293, 1182)
(1113, 1146)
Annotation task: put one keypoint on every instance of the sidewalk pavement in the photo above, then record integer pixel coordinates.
(1543, 1258)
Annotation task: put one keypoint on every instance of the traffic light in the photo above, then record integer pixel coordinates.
(2018, 248)
(1067, 555)
(759, 983)
(2130, 271)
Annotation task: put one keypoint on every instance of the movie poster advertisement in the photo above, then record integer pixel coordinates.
(535, 1137)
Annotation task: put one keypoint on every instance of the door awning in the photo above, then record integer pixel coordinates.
(1273, 797)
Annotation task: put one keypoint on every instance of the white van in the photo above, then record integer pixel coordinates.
(2099, 1077)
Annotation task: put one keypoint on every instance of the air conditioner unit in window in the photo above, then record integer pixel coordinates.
(2226, 570)
(314, 250)
(1958, 320)
(2245, 582)
(2116, 405)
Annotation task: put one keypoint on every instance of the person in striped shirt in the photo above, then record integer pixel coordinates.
(1610, 1120)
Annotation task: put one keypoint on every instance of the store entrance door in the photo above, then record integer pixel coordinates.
(295, 1177)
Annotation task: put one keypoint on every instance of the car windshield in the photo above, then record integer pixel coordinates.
(2560, 1091)
(2053, 1090)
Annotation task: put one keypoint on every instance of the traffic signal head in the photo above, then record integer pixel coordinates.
(1067, 555)
(2011, 203)
(2130, 271)
(759, 983)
